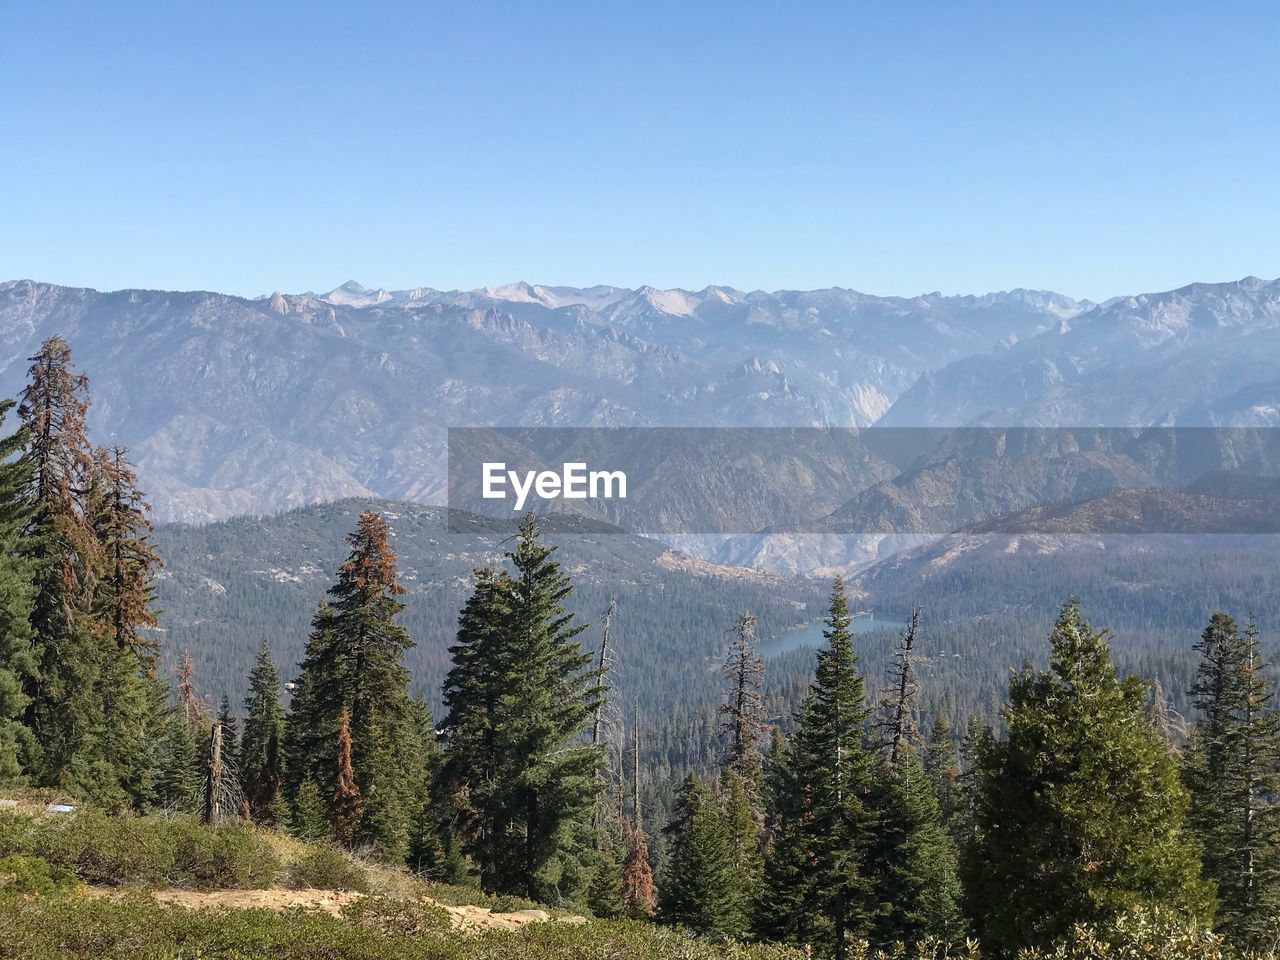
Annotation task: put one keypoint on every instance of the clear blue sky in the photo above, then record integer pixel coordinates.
(896, 147)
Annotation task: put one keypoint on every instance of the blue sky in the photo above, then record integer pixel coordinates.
(897, 148)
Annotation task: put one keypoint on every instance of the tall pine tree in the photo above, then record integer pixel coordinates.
(519, 696)
(63, 711)
(1233, 772)
(817, 871)
(698, 888)
(354, 665)
(1080, 812)
(260, 744)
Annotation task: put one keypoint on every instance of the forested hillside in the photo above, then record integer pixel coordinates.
(591, 723)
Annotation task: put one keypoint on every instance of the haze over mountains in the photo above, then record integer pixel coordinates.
(246, 406)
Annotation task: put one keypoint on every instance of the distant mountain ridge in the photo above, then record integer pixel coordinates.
(249, 406)
(233, 406)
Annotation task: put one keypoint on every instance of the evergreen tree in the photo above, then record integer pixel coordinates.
(17, 661)
(354, 663)
(260, 760)
(942, 768)
(519, 694)
(122, 621)
(63, 711)
(917, 867)
(230, 736)
(816, 869)
(178, 779)
(698, 888)
(1080, 815)
(917, 886)
(1233, 771)
(742, 713)
(309, 820)
(742, 830)
(639, 895)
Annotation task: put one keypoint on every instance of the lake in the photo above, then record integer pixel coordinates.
(810, 635)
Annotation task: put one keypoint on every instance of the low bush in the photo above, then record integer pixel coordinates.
(324, 868)
(117, 850)
(31, 875)
(133, 927)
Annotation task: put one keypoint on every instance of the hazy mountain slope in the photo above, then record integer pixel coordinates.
(233, 405)
(1201, 355)
(226, 585)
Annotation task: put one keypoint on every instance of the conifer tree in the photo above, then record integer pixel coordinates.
(742, 713)
(942, 768)
(639, 895)
(1233, 772)
(17, 660)
(309, 819)
(260, 755)
(519, 694)
(121, 620)
(354, 663)
(345, 806)
(917, 868)
(742, 831)
(178, 779)
(230, 736)
(62, 711)
(816, 869)
(698, 887)
(190, 703)
(917, 886)
(1081, 814)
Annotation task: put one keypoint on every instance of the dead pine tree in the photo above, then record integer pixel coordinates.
(222, 797)
(639, 896)
(898, 706)
(742, 713)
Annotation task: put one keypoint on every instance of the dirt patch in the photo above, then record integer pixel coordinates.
(468, 919)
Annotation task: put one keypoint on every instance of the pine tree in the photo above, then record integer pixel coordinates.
(178, 779)
(742, 713)
(309, 820)
(190, 704)
(122, 620)
(742, 830)
(259, 759)
(62, 711)
(354, 663)
(1081, 815)
(1233, 772)
(942, 768)
(17, 660)
(698, 886)
(816, 869)
(518, 695)
(916, 869)
(230, 736)
(345, 806)
(639, 895)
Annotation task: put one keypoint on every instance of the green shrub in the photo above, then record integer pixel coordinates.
(324, 868)
(116, 850)
(31, 875)
(135, 927)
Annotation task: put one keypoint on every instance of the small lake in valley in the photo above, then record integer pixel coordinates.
(810, 635)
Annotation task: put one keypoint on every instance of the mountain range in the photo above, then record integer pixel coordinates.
(236, 406)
